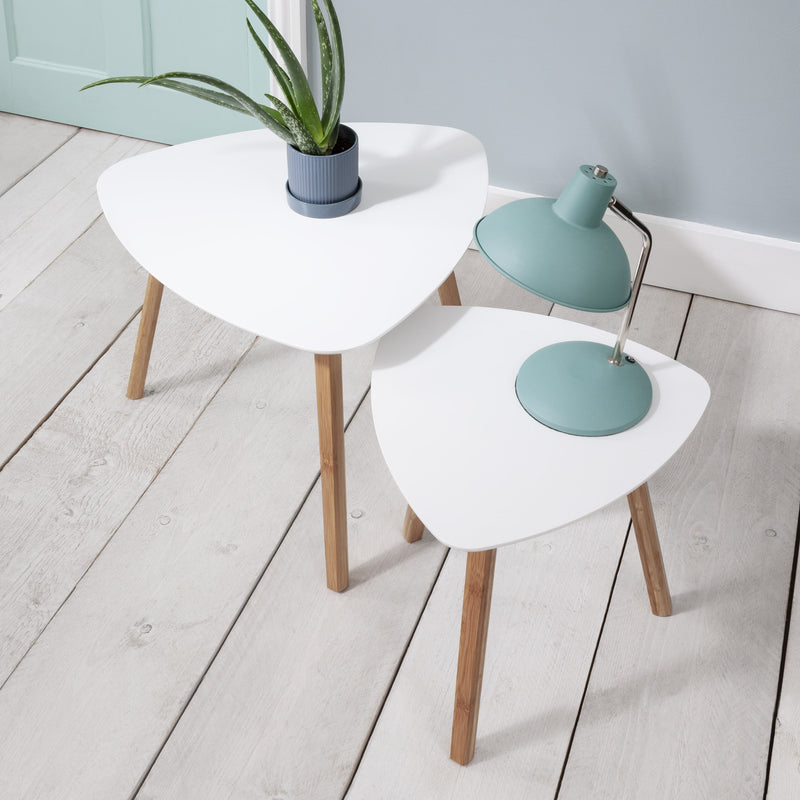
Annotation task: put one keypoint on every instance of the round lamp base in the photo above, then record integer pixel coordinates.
(573, 388)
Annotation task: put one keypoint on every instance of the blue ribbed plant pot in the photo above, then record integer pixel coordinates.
(325, 186)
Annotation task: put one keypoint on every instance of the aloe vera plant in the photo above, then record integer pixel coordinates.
(296, 119)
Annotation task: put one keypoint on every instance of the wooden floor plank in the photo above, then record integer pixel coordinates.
(72, 484)
(288, 704)
(87, 709)
(784, 774)
(682, 707)
(59, 326)
(550, 596)
(52, 206)
(26, 142)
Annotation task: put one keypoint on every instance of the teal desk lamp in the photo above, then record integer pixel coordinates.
(562, 251)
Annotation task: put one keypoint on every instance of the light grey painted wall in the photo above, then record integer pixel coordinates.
(694, 105)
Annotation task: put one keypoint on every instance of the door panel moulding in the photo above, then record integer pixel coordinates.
(11, 29)
(50, 66)
(147, 38)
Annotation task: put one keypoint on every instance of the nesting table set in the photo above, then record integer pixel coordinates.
(209, 220)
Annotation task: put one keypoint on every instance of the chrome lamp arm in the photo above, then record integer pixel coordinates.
(625, 213)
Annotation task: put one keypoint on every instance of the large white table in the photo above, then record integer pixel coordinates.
(481, 473)
(209, 219)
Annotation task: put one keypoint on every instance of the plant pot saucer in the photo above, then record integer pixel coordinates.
(324, 210)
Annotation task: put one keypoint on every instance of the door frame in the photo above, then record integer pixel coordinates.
(289, 17)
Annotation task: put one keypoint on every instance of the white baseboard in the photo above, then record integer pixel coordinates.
(702, 259)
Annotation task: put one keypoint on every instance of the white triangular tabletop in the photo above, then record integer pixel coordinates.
(474, 466)
(209, 219)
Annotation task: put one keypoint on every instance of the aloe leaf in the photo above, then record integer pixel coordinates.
(209, 95)
(273, 113)
(125, 79)
(337, 73)
(302, 99)
(302, 138)
(325, 61)
(256, 110)
(218, 98)
(275, 68)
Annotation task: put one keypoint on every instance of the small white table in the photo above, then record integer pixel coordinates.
(481, 473)
(209, 219)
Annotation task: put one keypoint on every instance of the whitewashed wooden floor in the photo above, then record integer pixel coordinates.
(165, 632)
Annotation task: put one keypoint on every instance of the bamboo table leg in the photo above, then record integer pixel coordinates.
(413, 527)
(144, 339)
(471, 653)
(644, 525)
(448, 296)
(448, 291)
(330, 418)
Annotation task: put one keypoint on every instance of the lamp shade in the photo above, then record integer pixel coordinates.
(561, 249)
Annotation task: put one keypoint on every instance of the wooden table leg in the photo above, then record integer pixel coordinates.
(448, 296)
(413, 527)
(644, 525)
(471, 653)
(448, 292)
(144, 339)
(330, 418)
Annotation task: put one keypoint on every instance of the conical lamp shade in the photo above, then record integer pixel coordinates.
(561, 249)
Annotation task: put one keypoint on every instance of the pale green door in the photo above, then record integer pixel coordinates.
(50, 48)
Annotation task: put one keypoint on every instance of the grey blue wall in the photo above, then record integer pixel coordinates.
(694, 105)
